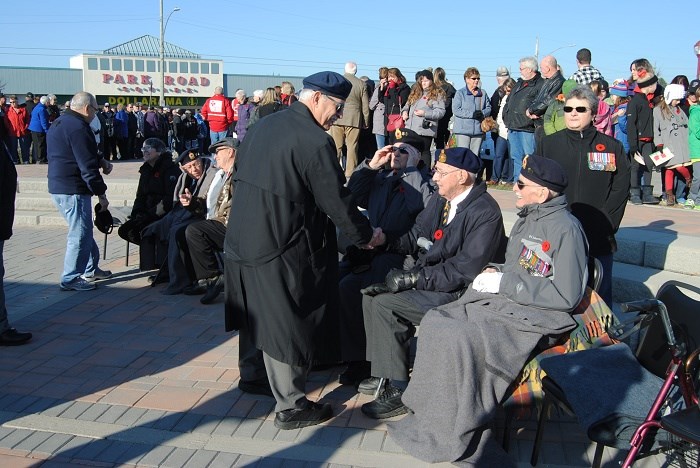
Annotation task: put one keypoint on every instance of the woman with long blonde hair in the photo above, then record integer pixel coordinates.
(425, 107)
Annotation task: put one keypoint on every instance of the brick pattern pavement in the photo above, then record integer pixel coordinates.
(124, 376)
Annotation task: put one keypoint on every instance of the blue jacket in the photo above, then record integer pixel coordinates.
(121, 124)
(40, 119)
(464, 104)
(74, 167)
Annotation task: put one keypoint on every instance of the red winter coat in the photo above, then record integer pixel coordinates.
(16, 122)
(218, 112)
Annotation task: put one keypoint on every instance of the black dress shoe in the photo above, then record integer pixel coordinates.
(12, 337)
(387, 405)
(368, 386)
(307, 414)
(200, 287)
(256, 387)
(216, 287)
(356, 372)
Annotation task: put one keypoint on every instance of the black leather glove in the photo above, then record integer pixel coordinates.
(375, 289)
(478, 115)
(401, 280)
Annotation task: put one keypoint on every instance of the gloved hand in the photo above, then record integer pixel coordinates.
(401, 280)
(160, 210)
(478, 115)
(487, 282)
(375, 289)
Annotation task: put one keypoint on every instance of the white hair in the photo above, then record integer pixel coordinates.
(529, 62)
(258, 93)
(240, 92)
(305, 94)
(44, 99)
(351, 67)
(81, 100)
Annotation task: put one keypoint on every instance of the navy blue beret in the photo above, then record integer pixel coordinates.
(462, 158)
(331, 83)
(545, 172)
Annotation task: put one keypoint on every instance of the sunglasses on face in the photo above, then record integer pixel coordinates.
(522, 185)
(579, 109)
(338, 105)
(400, 150)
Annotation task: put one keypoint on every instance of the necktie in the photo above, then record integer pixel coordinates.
(445, 213)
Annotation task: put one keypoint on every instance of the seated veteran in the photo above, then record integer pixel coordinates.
(393, 191)
(154, 195)
(470, 351)
(206, 237)
(460, 231)
(169, 231)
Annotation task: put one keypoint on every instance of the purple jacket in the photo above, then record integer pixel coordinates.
(244, 113)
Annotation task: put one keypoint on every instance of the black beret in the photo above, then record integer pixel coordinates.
(330, 83)
(426, 73)
(462, 158)
(228, 142)
(405, 135)
(187, 156)
(545, 172)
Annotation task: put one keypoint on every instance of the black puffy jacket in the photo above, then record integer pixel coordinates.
(522, 96)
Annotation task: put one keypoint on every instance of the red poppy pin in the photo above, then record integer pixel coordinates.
(600, 147)
(546, 246)
(401, 189)
(156, 175)
(438, 234)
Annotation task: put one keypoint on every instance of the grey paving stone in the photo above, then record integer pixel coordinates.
(113, 413)
(149, 418)
(168, 420)
(33, 441)
(269, 462)
(351, 437)
(57, 409)
(227, 426)
(372, 440)
(227, 460)
(42, 404)
(188, 422)
(292, 464)
(14, 438)
(248, 461)
(328, 436)
(156, 456)
(178, 458)
(73, 446)
(267, 431)
(207, 424)
(201, 458)
(91, 449)
(130, 417)
(75, 410)
(8, 399)
(94, 412)
(21, 403)
(115, 452)
(391, 446)
(248, 428)
(288, 436)
(261, 409)
(53, 444)
(5, 431)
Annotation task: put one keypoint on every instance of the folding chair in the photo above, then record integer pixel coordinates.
(660, 364)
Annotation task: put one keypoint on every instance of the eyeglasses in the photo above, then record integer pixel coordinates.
(442, 174)
(338, 105)
(146, 148)
(400, 150)
(13, 102)
(474, 78)
(579, 109)
(522, 185)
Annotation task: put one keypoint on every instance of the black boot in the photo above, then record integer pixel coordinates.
(648, 197)
(635, 196)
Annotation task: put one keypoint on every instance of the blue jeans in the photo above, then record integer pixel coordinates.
(4, 324)
(381, 140)
(519, 144)
(502, 167)
(82, 254)
(216, 136)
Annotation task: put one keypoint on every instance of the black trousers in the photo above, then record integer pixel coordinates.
(204, 239)
(39, 141)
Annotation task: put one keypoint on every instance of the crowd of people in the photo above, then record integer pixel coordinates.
(267, 222)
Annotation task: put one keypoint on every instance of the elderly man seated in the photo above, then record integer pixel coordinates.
(470, 351)
(461, 230)
(393, 191)
(195, 181)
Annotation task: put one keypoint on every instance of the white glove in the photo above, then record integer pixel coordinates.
(160, 211)
(487, 282)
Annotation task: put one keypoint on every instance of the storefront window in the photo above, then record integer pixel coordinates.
(214, 68)
(205, 68)
(151, 66)
(139, 65)
(92, 63)
(117, 64)
(194, 67)
(104, 64)
(172, 67)
(128, 65)
(184, 67)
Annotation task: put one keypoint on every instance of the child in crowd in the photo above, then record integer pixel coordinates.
(554, 116)
(602, 121)
(693, 201)
(671, 132)
(620, 95)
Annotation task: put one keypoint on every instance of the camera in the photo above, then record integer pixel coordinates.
(426, 123)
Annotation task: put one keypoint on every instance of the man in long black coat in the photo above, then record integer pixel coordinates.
(281, 278)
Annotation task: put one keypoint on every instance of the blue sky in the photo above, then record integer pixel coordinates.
(287, 38)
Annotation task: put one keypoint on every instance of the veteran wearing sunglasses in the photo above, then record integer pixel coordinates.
(599, 177)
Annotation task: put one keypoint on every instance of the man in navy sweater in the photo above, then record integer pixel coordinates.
(74, 178)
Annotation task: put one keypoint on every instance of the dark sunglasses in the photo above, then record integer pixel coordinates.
(400, 150)
(579, 109)
(522, 184)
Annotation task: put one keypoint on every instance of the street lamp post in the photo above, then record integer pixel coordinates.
(697, 52)
(162, 50)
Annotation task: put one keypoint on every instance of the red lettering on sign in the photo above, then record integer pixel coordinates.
(193, 81)
(131, 79)
(169, 81)
(107, 78)
(204, 81)
(181, 80)
(145, 80)
(119, 79)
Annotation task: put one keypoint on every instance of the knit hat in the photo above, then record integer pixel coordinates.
(426, 73)
(329, 83)
(462, 158)
(673, 91)
(545, 172)
(693, 86)
(620, 88)
(567, 86)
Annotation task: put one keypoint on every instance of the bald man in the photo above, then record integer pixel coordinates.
(553, 81)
